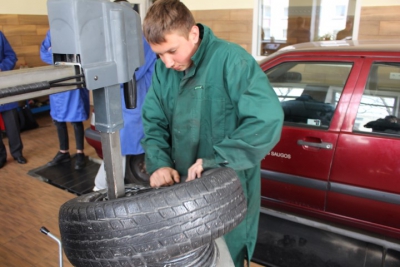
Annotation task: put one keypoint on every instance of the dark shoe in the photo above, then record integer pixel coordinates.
(60, 158)
(21, 160)
(80, 161)
(2, 163)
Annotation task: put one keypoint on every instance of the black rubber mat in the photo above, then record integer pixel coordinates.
(65, 176)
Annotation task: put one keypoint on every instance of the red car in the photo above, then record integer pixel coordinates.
(331, 186)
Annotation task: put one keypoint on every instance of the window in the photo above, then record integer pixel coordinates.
(378, 112)
(292, 22)
(309, 91)
(340, 11)
(266, 11)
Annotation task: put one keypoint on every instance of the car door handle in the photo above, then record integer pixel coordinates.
(318, 145)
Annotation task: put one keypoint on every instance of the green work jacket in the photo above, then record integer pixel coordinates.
(223, 110)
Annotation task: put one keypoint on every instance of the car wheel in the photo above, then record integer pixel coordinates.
(153, 227)
(136, 170)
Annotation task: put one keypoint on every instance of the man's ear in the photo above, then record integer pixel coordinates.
(194, 34)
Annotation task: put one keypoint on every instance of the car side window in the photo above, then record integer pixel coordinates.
(378, 112)
(309, 91)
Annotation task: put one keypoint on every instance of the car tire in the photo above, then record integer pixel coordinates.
(136, 170)
(153, 227)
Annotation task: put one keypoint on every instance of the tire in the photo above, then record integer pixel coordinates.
(136, 170)
(152, 227)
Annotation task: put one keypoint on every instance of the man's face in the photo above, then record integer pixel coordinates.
(177, 50)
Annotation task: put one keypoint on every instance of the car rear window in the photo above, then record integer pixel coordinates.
(378, 112)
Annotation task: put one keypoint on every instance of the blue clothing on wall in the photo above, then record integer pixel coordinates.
(8, 58)
(133, 133)
(69, 106)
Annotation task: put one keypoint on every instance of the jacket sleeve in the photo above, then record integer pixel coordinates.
(260, 117)
(8, 58)
(45, 50)
(156, 142)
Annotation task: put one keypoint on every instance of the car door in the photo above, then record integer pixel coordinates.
(314, 93)
(365, 176)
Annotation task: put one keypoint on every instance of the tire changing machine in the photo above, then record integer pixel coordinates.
(98, 45)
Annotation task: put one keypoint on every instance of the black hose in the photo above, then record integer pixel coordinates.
(23, 89)
(66, 84)
(66, 78)
(33, 87)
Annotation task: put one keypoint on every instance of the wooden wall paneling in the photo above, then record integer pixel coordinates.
(381, 22)
(42, 30)
(13, 30)
(25, 34)
(231, 25)
(33, 20)
(8, 19)
(202, 15)
(241, 14)
(369, 27)
(35, 61)
(380, 13)
(14, 40)
(32, 39)
(390, 28)
(378, 37)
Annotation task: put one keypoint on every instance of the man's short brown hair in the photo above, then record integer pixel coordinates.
(164, 17)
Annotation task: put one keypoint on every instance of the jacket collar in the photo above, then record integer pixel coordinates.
(206, 36)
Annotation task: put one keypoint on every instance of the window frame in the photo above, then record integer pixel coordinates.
(257, 25)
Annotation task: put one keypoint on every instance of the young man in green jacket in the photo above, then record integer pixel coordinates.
(210, 105)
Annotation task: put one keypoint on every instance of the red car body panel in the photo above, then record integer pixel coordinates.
(357, 182)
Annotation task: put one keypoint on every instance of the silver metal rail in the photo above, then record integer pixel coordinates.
(9, 79)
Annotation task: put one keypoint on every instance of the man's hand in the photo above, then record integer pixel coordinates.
(195, 170)
(164, 177)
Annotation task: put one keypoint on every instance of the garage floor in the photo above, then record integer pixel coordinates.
(27, 203)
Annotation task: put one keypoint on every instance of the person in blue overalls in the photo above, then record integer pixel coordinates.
(70, 106)
(8, 111)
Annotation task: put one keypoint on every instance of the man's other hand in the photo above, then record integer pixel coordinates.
(195, 170)
(164, 177)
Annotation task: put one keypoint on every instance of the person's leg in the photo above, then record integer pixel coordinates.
(62, 133)
(3, 153)
(11, 123)
(79, 136)
(80, 160)
(63, 154)
(235, 240)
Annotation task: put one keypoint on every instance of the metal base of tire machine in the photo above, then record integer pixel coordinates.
(100, 51)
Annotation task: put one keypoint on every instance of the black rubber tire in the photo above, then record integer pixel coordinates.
(151, 227)
(136, 170)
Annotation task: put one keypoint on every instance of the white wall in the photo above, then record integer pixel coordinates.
(39, 7)
(218, 4)
(380, 3)
(27, 7)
